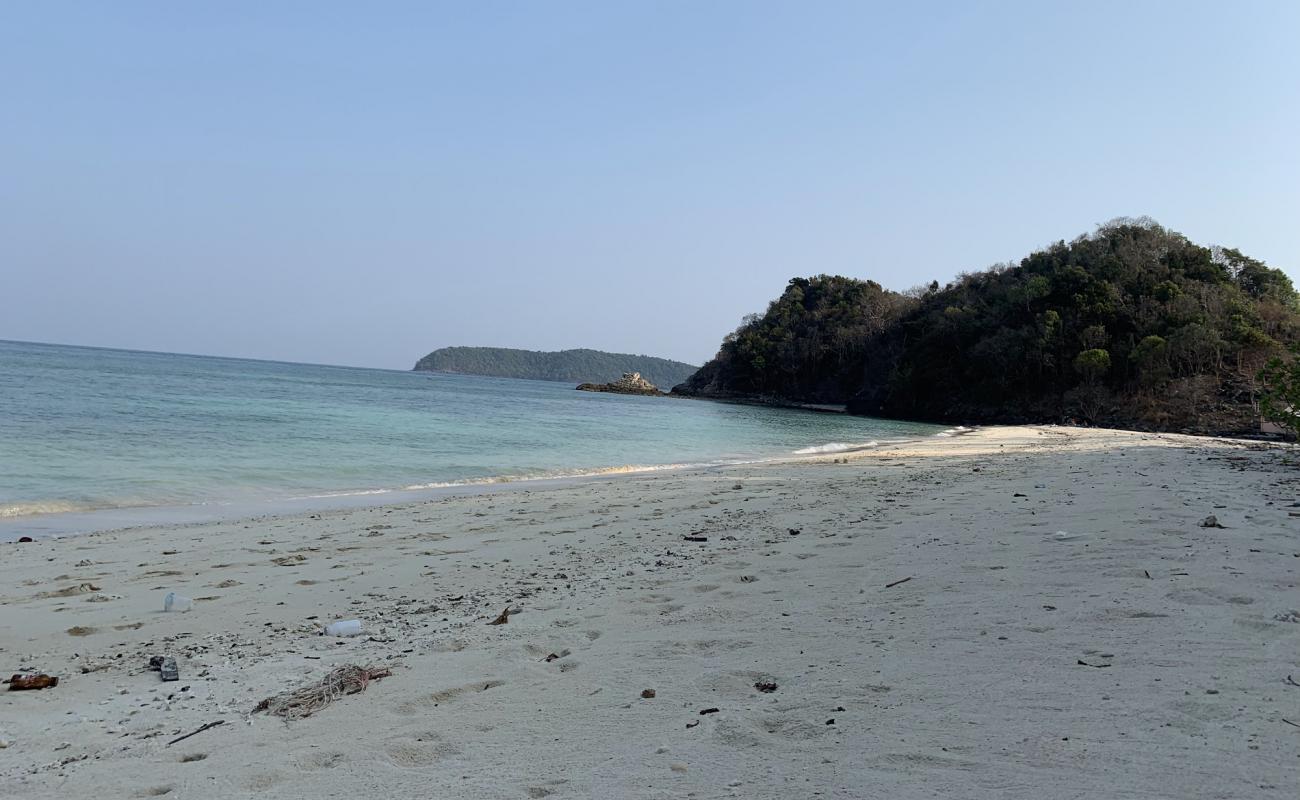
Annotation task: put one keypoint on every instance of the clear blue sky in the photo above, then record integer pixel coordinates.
(360, 183)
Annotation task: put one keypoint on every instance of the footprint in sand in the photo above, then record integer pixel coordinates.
(448, 695)
(411, 754)
(70, 591)
(264, 780)
(326, 760)
(1207, 597)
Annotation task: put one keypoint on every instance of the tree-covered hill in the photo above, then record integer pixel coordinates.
(1132, 326)
(571, 366)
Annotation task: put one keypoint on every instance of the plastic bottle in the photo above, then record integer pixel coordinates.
(344, 627)
(175, 602)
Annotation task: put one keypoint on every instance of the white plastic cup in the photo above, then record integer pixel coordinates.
(344, 627)
(175, 602)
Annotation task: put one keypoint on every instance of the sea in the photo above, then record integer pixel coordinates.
(95, 439)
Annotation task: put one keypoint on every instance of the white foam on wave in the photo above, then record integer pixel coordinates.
(36, 508)
(623, 469)
(834, 447)
(327, 495)
(545, 475)
(954, 431)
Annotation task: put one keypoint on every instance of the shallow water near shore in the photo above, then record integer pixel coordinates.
(93, 438)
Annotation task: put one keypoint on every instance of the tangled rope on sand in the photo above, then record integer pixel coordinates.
(304, 702)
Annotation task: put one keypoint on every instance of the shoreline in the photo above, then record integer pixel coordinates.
(1015, 612)
(64, 524)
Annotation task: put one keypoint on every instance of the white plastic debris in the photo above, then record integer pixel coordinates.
(176, 602)
(344, 627)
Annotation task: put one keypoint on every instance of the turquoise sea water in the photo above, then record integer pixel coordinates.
(93, 438)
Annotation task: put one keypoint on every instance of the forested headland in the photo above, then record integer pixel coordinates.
(1130, 326)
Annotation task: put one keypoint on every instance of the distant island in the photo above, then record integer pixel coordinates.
(1132, 326)
(569, 366)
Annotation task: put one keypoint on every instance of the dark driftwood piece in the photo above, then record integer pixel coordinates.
(197, 732)
(895, 583)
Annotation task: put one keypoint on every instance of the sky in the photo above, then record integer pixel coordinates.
(360, 183)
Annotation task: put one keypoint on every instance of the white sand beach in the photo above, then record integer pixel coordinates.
(1028, 612)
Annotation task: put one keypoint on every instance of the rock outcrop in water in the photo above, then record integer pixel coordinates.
(630, 383)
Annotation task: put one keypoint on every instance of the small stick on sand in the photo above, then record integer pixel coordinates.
(895, 583)
(195, 733)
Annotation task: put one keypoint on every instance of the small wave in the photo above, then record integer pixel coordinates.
(328, 495)
(954, 431)
(36, 508)
(835, 447)
(623, 469)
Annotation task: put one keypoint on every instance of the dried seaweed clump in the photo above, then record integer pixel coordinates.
(307, 700)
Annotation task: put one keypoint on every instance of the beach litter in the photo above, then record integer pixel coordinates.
(648, 694)
(1211, 522)
(766, 686)
(32, 681)
(344, 627)
(303, 702)
(168, 670)
(177, 603)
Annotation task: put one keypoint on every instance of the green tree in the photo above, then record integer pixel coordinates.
(1280, 390)
(1151, 357)
(1093, 364)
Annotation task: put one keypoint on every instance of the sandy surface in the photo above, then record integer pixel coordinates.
(1028, 551)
